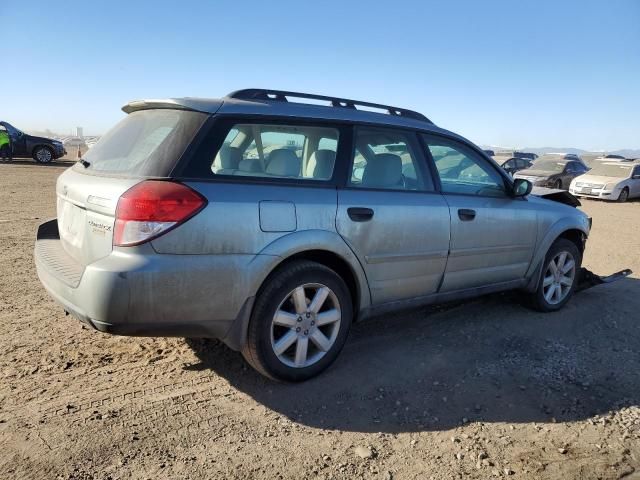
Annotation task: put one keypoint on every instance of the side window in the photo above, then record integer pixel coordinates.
(278, 151)
(388, 159)
(462, 170)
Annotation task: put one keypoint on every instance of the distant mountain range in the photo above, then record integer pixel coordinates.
(625, 152)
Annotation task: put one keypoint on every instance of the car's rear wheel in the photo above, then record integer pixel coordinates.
(299, 323)
(43, 155)
(624, 195)
(560, 275)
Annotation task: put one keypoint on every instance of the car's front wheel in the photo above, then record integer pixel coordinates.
(560, 275)
(299, 323)
(624, 195)
(43, 155)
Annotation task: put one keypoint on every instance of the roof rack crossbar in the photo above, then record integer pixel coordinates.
(281, 95)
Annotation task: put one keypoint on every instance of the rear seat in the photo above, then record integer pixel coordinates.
(283, 163)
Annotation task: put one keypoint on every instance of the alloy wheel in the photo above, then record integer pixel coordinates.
(305, 325)
(44, 155)
(559, 277)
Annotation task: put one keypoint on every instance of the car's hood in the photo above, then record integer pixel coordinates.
(33, 138)
(557, 195)
(536, 173)
(598, 179)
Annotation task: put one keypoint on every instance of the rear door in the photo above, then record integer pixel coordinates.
(392, 217)
(492, 234)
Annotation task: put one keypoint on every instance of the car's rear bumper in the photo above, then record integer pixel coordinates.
(136, 291)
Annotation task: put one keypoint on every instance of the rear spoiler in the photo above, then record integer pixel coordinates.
(192, 104)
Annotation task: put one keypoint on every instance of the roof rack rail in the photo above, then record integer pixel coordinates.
(281, 95)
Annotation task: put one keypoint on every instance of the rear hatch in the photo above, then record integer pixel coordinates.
(146, 144)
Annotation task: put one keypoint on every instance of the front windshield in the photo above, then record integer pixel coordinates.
(549, 165)
(611, 170)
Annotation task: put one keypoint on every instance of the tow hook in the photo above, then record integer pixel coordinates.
(588, 279)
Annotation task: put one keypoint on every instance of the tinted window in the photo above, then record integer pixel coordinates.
(147, 142)
(462, 170)
(387, 159)
(278, 151)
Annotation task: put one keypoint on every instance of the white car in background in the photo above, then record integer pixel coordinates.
(616, 180)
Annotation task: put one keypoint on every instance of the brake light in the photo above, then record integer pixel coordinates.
(152, 208)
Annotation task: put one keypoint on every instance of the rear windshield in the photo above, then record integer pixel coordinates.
(145, 143)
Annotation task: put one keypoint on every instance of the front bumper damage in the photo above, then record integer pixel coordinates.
(588, 279)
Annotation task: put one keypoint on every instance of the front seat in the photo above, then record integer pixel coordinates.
(321, 163)
(283, 163)
(383, 170)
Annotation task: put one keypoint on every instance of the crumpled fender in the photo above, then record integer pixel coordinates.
(567, 223)
(556, 195)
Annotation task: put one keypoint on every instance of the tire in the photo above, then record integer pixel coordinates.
(544, 301)
(558, 184)
(43, 155)
(266, 333)
(624, 195)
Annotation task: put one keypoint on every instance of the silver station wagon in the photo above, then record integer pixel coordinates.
(273, 220)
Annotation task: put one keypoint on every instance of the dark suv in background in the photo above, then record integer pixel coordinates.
(41, 149)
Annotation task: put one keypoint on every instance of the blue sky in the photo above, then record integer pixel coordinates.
(537, 73)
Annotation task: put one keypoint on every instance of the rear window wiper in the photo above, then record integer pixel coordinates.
(84, 163)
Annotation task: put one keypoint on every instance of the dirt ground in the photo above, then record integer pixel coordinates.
(484, 389)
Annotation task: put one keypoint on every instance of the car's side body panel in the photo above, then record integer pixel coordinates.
(403, 247)
(495, 246)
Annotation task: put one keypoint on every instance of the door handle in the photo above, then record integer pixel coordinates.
(360, 214)
(466, 214)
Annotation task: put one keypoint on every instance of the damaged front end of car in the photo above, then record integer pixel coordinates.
(586, 278)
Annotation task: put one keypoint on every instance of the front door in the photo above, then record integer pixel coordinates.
(492, 234)
(392, 217)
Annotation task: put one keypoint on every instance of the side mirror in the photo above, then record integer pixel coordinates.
(636, 176)
(521, 187)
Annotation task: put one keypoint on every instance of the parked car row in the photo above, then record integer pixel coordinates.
(610, 177)
(553, 171)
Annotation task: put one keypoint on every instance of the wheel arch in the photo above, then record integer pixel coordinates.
(324, 247)
(567, 228)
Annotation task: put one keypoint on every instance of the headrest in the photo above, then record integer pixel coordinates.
(230, 157)
(383, 170)
(321, 164)
(283, 163)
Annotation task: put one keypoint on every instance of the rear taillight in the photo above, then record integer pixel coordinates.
(152, 208)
